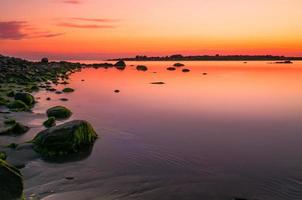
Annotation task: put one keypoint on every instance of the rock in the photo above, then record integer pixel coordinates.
(48, 98)
(205, 74)
(15, 129)
(50, 122)
(171, 68)
(141, 68)
(157, 83)
(120, 63)
(64, 139)
(12, 146)
(284, 62)
(185, 70)
(67, 90)
(11, 182)
(44, 60)
(59, 92)
(63, 99)
(59, 112)
(178, 65)
(10, 121)
(18, 106)
(27, 98)
(3, 156)
(117, 91)
(3, 101)
(10, 94)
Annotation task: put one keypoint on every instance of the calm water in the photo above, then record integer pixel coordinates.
(236, 132)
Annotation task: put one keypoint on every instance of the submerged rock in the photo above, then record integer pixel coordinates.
(178, 65)
(64, 139)
(67, 90)
(16, 128)
(50, 122)
(59, 112)
(11, 182)
(27, 98)
(141, 68)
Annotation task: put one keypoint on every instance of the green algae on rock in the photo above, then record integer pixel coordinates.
(50, 122)
(59, 112)
(11, 182)
(64, 139)
(18, 106)
(27, 98)
(15, 128)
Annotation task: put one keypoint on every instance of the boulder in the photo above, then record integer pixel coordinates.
(11, 182)
(141, 68)
(120, 63)
(64, 139)
(50, 122)
(59, 112)
(171, 68)
(27, 98)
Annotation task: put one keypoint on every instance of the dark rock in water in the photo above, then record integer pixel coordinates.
(59, 92)
(205, 74)
(18, 106)
(10, 121)
(48, 98)
(27, 98)
(157, 83)
(69, 178)
(44, 60)
(59, 112)
(68, 90)
(178, 65)
(171, 68)
(64, 139)
(120, 63)
(185, 70)
(50, 122)
(284, 62)
(141, 68)
(11, 182)
(3, 156)
(14, 129)
(117, 91)
(63, 99)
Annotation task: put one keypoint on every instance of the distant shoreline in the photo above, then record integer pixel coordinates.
(211, 58)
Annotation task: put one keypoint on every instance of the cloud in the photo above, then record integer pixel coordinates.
(72, 1)
(12, 30)
(104, 20)
(18, 30)
(88, 26)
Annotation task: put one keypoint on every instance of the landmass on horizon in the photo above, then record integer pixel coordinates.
(217, 57)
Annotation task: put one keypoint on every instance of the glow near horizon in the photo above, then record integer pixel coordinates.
(158, 27)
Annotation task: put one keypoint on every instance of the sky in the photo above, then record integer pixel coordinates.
(99, 29)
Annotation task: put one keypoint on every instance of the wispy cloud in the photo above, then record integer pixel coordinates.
(104, 20)
(88, 26)
(17, 30)
(72, 1)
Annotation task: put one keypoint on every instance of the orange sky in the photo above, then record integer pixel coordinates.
(94, 29)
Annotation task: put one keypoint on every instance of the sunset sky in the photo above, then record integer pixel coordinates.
(97, 29)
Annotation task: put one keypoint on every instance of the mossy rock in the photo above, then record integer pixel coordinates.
(59, 112)
(3, 101)
(10, 121)
(18, 106)
(67, 90)
(15, 129)
(64, 139)
(3, 156)
(50, 122)
(141, 68)
(12, 145)
(11, 182)
(27, 98)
